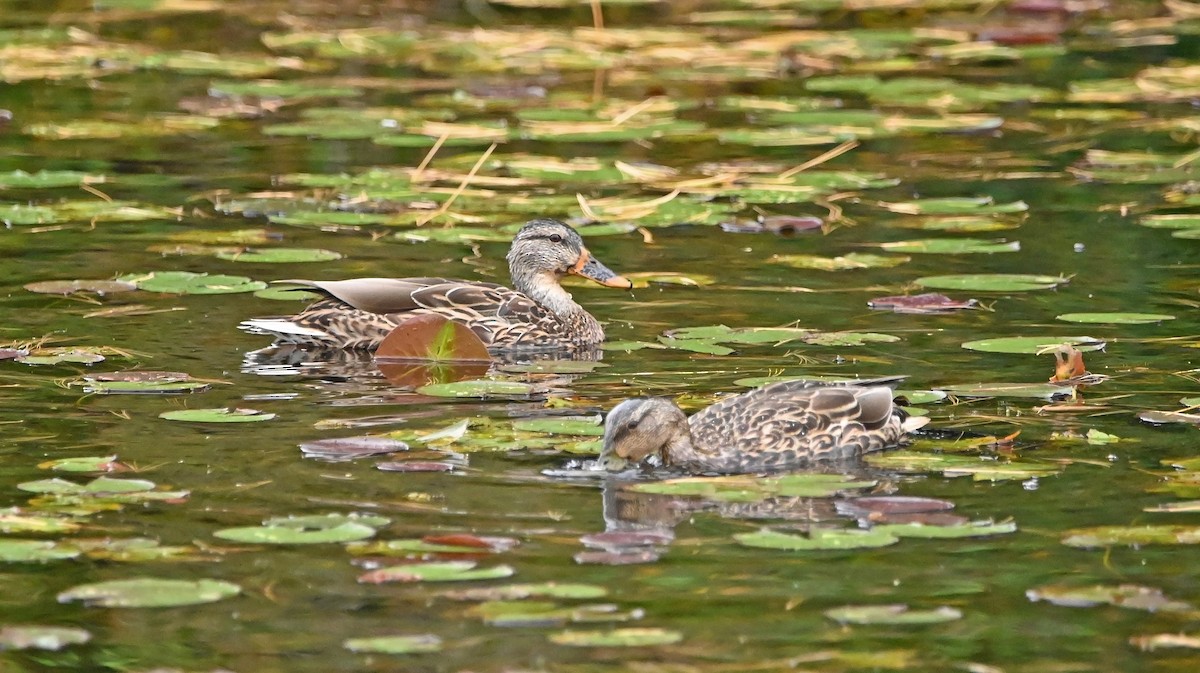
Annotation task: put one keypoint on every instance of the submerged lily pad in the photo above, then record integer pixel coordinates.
(219, 415)
(512, 592)
(854, 260)
(1115, 318)
(963, 530)
(749, 488)
(956, 206)
(892, 614)
(1129, 596)
(818, 539)
(447, 571)
(478, 388)
(84, 464)
(952, 246)
(1133, 536)
(629, 637)
(66, 287)
(1033, 344)
(30, 637)
(149, 592)
(991, 282)
(280, 255)
(143, 387)
(418, 644)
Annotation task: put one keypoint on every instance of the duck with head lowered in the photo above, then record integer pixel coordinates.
(536, 313)
(780, 426)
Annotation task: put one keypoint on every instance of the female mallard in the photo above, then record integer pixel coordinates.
(779, 426)
(537, 313)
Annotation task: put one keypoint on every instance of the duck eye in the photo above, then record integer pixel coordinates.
(632, 425)
(555, 238)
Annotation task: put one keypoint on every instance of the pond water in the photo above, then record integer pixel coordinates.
(140, 137)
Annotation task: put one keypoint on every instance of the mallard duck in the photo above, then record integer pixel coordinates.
(778, 426)
(538, 313)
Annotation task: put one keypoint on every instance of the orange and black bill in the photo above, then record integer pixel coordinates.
(589, 267)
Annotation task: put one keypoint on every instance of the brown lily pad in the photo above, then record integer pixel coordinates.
(350, 448)
(432, 337)
(66, 287)
(929, 302)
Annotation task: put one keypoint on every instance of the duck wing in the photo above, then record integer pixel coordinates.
(398, 295)
(796, 422)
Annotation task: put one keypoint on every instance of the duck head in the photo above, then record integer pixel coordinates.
(546, 250)
(642, 427)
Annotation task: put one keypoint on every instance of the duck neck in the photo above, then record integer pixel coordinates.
(679, 449)
(544, 289)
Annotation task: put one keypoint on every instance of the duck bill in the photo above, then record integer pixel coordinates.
(589, 267)
(611, 462)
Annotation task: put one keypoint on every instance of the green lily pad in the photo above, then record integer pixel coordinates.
(512, 592)
(1133, 536)
(14, 520)
(950, 465)
(748, 488)
(958, 223)
(970, 529)
(281, 255)
(895, 615)
(149, 592)
(1031, 390)
(417, 644)
(952, 246)
(447, 571)
(696, 346)
(991, 282)
(143, 387)
(98, 486)
(219, 415)
(27, 551)
(854, 260)
(84, 464)
(1115, 318)
(848, 338)
(44, 179)
(312, 529)
(629, 637)
(817, 539)
(1130, 596)
(62, 355)
(1032, 344)
(133, 550)
(478, 388)
(956, 206)
(186, 282)
(1172, 221)
(561, 426)
(29, 637)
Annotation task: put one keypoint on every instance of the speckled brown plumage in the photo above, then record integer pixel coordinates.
(538, 314)
(779, 426)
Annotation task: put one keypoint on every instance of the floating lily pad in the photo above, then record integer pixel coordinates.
(186, 282)
(589, 426)
(447, 571)
(143, 387)
(991, 282)
(434, 338)
(220, 415)
(1115, 318)
(62, 355)
(1129, 596)
(280, 255)
(29, 551)
(30, 637)
(1133, 536)
(895, 615)
(44, 179)
(67, 287)
(511, 592)
(647, 278)
(148, 592)
(1167, 417)
(418, 644)
(14, 520)
(1033, 344)
(306, 529)
(478, 388)
(350, 448)
(749, 488)
(926, 303)
(1033, 390)
(444, 544)
(848, 338)
(956, 206)
(969, 529)
(854, 260)
(84, 464)
(817, 539)
(952, 246)
(978, 467)
(98, 486)
(630, 637)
